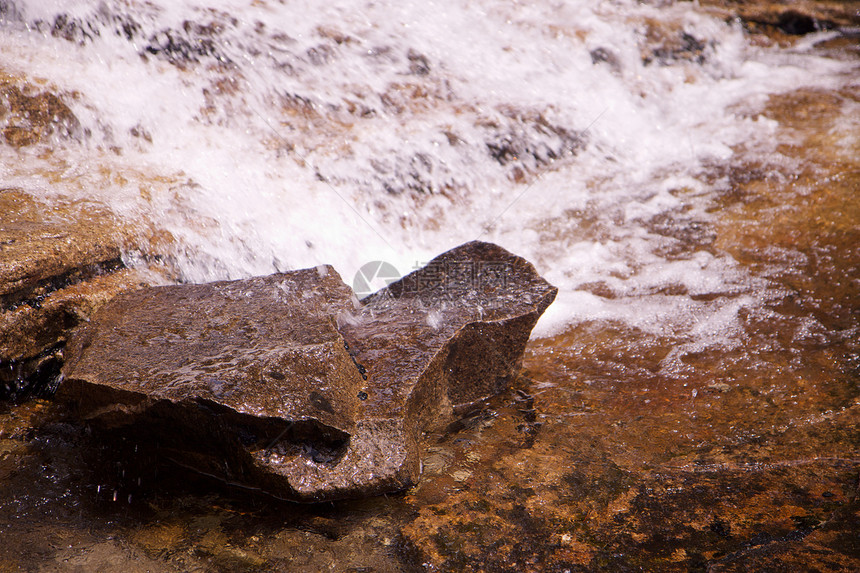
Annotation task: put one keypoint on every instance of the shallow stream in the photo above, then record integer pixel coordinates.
(689, 402)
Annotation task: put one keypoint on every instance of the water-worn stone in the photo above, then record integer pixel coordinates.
(288, 384)
(41, 248)
(57, 265)
(447, 335)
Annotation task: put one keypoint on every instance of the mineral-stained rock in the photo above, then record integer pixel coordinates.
(246, 379)
(288, 384)
(58, 263)
(43, 247)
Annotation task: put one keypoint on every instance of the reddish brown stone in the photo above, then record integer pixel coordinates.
(250, 381)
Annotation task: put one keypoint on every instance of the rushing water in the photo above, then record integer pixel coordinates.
(269, 135)
(653, 162)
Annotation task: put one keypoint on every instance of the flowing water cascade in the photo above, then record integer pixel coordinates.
(686, 174)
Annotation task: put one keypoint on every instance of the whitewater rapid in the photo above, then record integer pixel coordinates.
(266, 136)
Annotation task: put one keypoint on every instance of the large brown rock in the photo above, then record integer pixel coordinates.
(448, 335)
(288, 384)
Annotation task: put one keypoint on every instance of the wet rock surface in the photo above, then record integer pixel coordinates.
(288, 384)
(784, 20)
(58, 264)
(29, 115)
(595, 459)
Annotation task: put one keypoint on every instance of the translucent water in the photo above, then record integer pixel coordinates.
(264, 136)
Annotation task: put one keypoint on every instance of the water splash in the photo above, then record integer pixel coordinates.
(251, 138)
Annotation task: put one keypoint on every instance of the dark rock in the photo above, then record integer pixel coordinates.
(666, 46)
(799, 24)
(603, 55)
(246, 380)
(288, 384)
(419, 65)
(466, 317)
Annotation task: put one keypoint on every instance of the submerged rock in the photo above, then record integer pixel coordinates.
(781, 20)
(29, 116)
(288, 384)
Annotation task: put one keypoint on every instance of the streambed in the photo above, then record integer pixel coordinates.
(693, 405)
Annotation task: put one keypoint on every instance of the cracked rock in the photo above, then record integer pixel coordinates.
(288, 384)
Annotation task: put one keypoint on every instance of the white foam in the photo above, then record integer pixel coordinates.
(260, 165)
